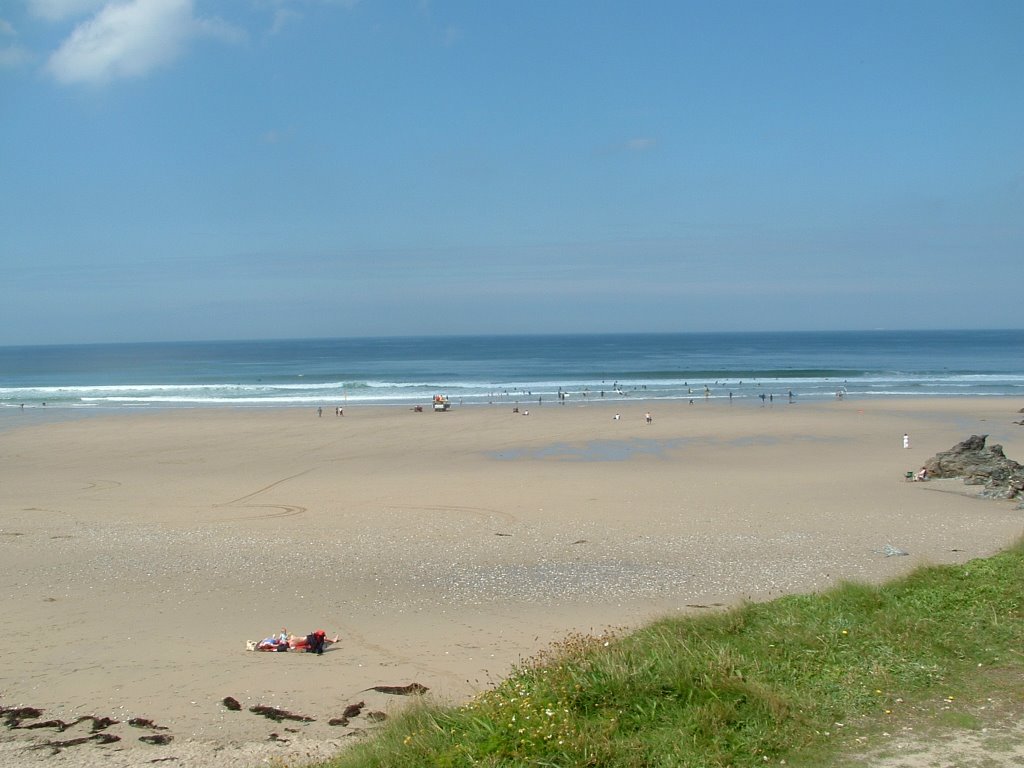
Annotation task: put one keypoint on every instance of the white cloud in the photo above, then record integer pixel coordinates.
(129, 39)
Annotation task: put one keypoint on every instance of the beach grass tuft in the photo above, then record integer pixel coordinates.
(796, 680)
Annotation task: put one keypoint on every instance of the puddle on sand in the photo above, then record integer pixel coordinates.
(616, 450)
(596, 450)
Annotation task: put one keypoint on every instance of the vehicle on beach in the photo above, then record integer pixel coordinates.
(441, 403)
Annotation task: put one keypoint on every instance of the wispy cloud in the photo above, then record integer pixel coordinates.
(13, 56)
(637, 144)
(57, 10)
(452, 35)
(282, 18)
(277, 137)
(129, 39)
(218, 29)
(641, 144)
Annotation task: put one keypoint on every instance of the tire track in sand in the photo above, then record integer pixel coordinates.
(283, 510)
(101, 485)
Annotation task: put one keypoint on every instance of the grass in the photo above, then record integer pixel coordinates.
(763, 683)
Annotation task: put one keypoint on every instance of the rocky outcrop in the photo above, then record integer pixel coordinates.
(1003, 478)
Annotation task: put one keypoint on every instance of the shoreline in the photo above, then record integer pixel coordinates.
(442, 547)
(34, 414)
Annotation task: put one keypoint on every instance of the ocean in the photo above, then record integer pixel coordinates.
(477, 370)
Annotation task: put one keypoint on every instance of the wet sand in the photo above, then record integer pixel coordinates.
(139, 552)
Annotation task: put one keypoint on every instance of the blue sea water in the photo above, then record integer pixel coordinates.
(474, 370)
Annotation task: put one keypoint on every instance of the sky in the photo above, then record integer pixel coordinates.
(200, 169)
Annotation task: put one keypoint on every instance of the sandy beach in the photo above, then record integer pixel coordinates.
(139, 552)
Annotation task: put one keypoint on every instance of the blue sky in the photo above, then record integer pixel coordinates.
(190, 169)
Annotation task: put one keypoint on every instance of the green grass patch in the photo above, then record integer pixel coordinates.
(765, 682)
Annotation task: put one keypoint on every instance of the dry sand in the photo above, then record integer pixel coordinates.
(139, 552)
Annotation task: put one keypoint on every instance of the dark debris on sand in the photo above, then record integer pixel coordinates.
(14, 717)
(401, 690)
(277, 715)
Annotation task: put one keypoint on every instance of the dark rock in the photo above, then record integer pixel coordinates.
(157, 738)
(353, 710)
(145, 722)
(231, 703)
(338, 721)
(977, 464)
(376, 717)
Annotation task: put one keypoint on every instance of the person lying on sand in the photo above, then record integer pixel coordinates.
(274, 642)
(312, 643)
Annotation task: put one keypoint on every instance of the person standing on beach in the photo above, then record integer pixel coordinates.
(906, 440)
(647, 417)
